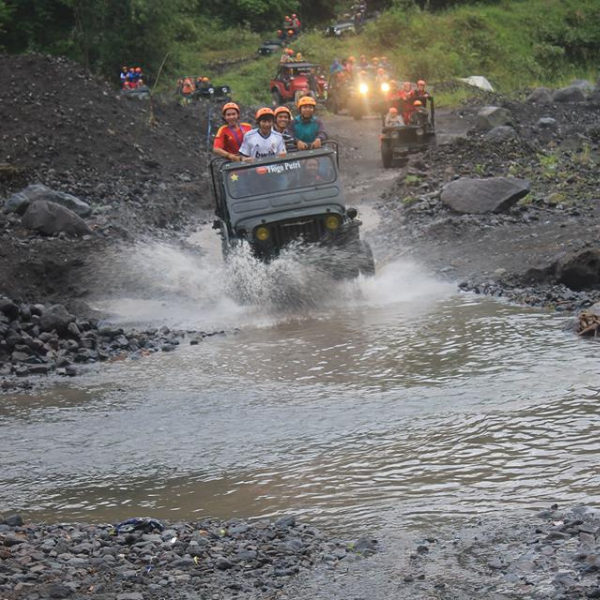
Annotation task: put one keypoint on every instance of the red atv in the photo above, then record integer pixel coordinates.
(293, 80)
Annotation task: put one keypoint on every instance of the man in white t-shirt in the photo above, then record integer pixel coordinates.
(262, 141)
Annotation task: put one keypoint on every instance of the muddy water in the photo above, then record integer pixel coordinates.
(394, 401)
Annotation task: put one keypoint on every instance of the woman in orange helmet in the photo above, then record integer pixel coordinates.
(230, 136)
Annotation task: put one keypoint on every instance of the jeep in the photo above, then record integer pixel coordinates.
(273, 202)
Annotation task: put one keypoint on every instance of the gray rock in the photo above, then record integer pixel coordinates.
(489, 117)
(286, 522)
(540, 95)
(478, 196)
(580, 271)
(21, 201)
(57, 590)
(57, 318)
(502, 133)
(13, 521)
(547, 123)
(569, 94)
(9, 308)
(50, 218)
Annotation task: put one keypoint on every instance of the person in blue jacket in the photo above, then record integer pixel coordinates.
(308, 131)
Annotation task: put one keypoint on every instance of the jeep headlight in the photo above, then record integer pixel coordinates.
(420, 131)
(262, 234)
(363, 88)
(385, 87)
(332, 222)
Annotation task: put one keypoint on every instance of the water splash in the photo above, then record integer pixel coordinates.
(155, 283)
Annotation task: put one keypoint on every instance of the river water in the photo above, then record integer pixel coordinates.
(395, 401)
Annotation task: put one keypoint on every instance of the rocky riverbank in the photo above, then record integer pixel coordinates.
(540, 247)
(145, 559)
(551, 555)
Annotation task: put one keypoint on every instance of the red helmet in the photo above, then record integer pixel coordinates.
(293, 16)
(261, 113)
(228, 106)
(417, 103)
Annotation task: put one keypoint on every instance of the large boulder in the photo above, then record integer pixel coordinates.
(50, 218)
(502, 133)
(56, 318)
(540, 95)
(569, 94)
(21, 201)
(581, 270)
(489, 117)
(477, 196)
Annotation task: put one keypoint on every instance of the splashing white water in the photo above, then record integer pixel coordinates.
(157, 283)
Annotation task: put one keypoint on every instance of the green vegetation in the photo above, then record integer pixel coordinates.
(514, 43)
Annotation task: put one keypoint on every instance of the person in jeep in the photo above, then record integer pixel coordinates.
(262, 141)
(307, 131)
(230, 136)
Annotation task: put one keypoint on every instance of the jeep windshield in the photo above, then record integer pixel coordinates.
(291, 174)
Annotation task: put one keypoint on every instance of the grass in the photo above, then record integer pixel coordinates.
(515, 44)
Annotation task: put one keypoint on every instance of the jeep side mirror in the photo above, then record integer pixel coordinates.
(351, 212)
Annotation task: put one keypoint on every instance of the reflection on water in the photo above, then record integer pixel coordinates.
(368, 413)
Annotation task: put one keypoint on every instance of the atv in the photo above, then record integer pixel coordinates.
(418, 135)
(272, 203)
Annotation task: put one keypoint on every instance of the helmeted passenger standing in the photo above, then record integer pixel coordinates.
(229, 137)
(307, 130)
(263, 141)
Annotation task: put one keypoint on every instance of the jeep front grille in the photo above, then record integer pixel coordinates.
(307, 229)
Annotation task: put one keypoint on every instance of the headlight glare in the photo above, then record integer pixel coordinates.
(385, 87)
(363, 88)
(332, 222)
(262, 234)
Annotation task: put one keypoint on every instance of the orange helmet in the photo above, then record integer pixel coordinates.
(138, 70)
(375, 60)
(205, 79)
(282, 109)
(290, 32)
(421, 82)
(393, 110)
(417, 103)
(299, 56)
(306, 101)
(229, 105)
(261, 113)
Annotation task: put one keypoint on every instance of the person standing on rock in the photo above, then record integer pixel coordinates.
(230, 136)
(306, 129)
